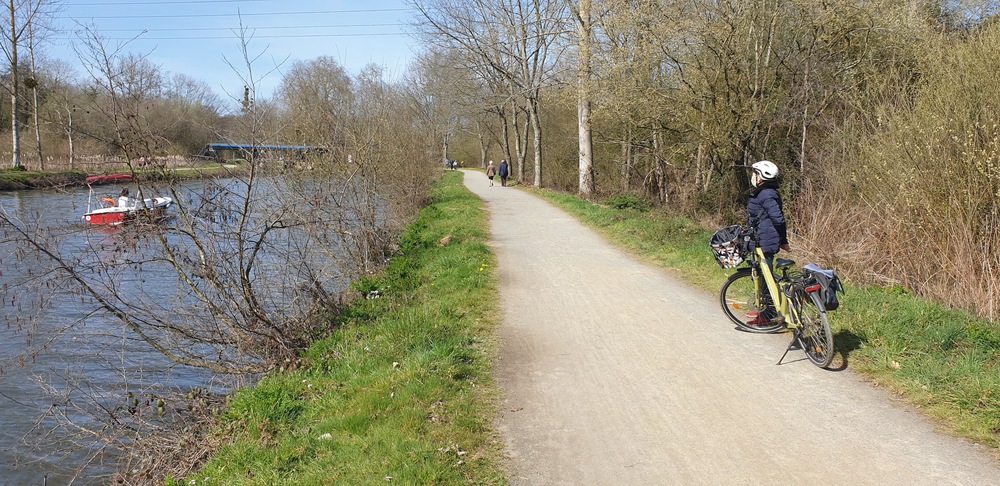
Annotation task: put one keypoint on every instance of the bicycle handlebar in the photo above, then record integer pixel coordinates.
(749, 234)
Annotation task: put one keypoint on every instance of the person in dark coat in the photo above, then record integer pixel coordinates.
(765, 209)
(504, 172)
(766, 213)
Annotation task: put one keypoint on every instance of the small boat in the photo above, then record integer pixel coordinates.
(108, 179)
(114, 211)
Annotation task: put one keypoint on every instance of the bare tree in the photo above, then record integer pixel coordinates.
(514, 38)
(32, 84)
(122, 83)
(582, 14)
(451, 94)
(64, 98)
(316, 98)
(21, 14)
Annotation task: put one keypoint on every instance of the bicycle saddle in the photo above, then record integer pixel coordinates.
(782, 263)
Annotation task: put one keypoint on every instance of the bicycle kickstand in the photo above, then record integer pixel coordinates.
(789, 348)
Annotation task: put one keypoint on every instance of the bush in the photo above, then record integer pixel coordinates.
(629, 201)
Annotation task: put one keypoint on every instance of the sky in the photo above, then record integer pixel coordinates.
(197, 37)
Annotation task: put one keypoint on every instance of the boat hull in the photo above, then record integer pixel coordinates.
(155, 208)
(108, 179)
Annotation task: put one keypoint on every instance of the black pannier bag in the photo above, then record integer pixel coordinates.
(829, 283)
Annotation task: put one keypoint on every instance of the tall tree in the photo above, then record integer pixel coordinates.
(317, 96)
(514, 38)
(584, 27)
(20, 15)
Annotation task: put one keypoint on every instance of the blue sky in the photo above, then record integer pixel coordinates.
(195, 37)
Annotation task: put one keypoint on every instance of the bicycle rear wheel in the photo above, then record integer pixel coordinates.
(814, 336)
(740, 303)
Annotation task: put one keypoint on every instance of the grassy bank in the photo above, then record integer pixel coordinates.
(12, 180)
(944, 361)
(402, 392)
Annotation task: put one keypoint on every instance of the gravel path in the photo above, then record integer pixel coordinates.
(617, 373)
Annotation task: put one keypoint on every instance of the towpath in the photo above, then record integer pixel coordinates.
(616, 373)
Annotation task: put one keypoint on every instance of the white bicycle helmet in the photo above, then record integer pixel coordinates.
(766, 169)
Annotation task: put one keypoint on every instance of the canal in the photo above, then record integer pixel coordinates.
(62, 361)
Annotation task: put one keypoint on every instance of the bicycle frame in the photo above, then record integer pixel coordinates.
(764, 277)
(762, 300)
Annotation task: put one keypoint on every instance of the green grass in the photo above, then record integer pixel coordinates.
(14, 179)
(402, 390)
(944, 361)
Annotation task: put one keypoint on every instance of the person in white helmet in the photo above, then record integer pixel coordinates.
(766, 214)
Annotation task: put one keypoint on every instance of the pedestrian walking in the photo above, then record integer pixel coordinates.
(504, 172)
(490, 172)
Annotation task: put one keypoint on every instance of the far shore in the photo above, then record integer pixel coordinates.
(13, 180)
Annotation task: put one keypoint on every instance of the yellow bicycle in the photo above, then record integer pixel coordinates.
(757, 301)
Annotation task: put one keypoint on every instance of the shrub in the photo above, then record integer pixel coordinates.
(629, 201)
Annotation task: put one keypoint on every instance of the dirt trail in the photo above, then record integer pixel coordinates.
(616, 373)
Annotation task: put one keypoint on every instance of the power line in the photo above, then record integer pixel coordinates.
(302, 36)
(227, 29)
(256, 14)
(164, 2)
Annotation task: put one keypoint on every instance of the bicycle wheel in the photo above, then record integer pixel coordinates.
(740, 303)
(814, 335)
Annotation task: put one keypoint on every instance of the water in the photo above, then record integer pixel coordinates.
(58, 358)
(65, 360)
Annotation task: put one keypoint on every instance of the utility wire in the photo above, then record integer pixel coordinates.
(228, 29)
(303, 36)
(242, 14)
(164, 2)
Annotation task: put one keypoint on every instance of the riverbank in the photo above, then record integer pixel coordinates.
(403, 391)
(13, 180)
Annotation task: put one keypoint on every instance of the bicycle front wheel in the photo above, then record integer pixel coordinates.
(814, 336)
(742, 305)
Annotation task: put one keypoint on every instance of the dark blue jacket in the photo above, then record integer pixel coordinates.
(503, 169)
(766, 213)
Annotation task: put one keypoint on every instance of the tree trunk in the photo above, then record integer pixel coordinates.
(15, 82)
(536, 129)
(661, 176)
(522, 154)
(69, 133)
(505, 124)
(34, 99)
(627, 164)
(484, 144)
(520, 142)
(586, 187)
(445, 148)
(482, 150)
(805, 120)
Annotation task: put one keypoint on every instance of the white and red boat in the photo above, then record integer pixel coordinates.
(119, 210)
